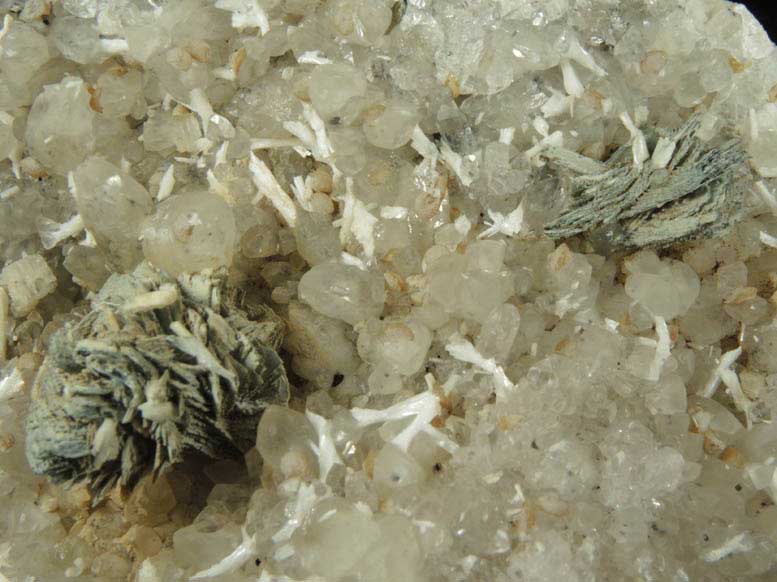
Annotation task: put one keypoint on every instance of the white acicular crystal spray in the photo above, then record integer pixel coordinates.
(246, 14)
(456, 163)
(509, 224)
(662, 153)
(268, 186)
(165, 296)
(464, 351)
(723, 372)
(663, 349)
(639, 148)
(357, 222)
(422, 409)
(423, 145)
(572, 84)
(166, 184)
(232, 562)
(312, 133)
(325, 448)
(52, 233)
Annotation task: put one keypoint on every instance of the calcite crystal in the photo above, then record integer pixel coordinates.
(523, 254)
(27, 280)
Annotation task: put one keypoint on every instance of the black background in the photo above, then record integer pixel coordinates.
(766, 12)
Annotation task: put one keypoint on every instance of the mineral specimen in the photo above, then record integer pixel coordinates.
(156, 371)
(28, 280)
(680, 192)
(525, 257)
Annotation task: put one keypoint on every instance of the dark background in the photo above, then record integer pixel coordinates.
(766, 12)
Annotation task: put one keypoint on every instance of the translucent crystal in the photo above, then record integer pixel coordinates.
(569, 277)
(160, 568)
(568, 467)
(333, 547)
(317, 241)
(113, 205)
(88, 266)
(189, 232)
(120, 92)
(549, 557)
(111, 566)
(205, 542)
(498, 332)
(165, 130)
(349, 144)
(81, 8)
(668, 397)
(321, 346)
(395, 468)
(396, 346)
(341, 540)
(7, 138)
(27, 281)
(731, 277)
(343, 292)
(764, 140)
(393, 127)
(59, 127)
(470, 292)
(666, 288)
(25, 50)
(77, 39)
(744, 305)
(335, 89)
(260, 233)
(284, 440)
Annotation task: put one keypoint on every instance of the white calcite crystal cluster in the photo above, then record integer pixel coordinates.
(525, 255)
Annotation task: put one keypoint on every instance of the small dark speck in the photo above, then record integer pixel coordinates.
(437, 467)
(258, 562)
(337, 380)
(706, 538)
(738, 487)
(534, 446)
(655, 528)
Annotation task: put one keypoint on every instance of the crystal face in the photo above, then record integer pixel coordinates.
(377, 290)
